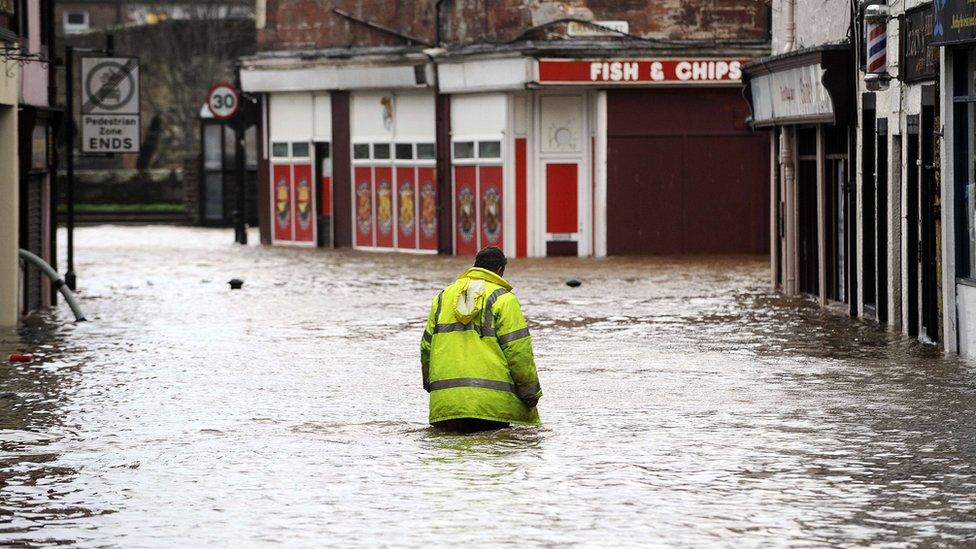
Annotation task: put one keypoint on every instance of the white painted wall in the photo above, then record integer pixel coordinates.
(817, 22)
(369, 121)
(415, 116)
(9, 207)
(482, 114)
(292, 116)
(322, 117)
(951, 328)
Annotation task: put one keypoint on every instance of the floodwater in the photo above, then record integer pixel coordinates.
(684, 406)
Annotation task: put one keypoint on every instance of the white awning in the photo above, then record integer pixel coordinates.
(337, 78)
(480, 75)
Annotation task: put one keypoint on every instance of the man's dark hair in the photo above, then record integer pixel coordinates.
(490, 258)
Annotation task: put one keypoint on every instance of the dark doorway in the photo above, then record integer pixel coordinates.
(911, 225)
(868, 221)
(929, 210)
(808, 237)
(881, 203)
(323, 192)
(836, 212)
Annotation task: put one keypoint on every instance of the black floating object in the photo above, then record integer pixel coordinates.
(236, 283)
(573, 283)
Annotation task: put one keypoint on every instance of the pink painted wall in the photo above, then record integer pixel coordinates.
(34, 76)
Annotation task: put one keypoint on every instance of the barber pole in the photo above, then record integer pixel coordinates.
(877, 57)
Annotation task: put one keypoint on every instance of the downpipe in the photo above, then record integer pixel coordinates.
(69, 296)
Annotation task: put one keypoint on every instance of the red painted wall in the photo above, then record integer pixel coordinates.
(521, 206)
(684, 173)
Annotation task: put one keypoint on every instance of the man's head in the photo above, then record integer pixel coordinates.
(491, 259)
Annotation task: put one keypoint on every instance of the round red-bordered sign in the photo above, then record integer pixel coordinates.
(224, 101)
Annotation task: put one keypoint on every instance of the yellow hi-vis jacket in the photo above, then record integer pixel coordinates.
(476, 353)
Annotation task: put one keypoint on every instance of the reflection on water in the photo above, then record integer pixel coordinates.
(684, 404)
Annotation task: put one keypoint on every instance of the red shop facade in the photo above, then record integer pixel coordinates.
(538, 153)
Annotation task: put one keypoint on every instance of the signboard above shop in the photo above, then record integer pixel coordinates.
(719, 71)
(953, 21)
(919, 59)
(804, 87)
(598, 28)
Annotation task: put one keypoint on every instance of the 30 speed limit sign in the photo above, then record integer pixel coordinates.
(224, 101)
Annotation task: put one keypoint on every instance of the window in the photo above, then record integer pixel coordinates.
(381, 150)
(360, 151)
(464, 149)
(212, 146)
(489, 149)
(251, 147)
(76, 22)
(39, 147)
(964, 130)
(426, 151)
(8, 19)
(300, 150)
(279, 150)
(404, 151)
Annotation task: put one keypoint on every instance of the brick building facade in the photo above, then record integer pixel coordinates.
(547, 128)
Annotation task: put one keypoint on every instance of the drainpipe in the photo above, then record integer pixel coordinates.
(790, 258)
(789, 13)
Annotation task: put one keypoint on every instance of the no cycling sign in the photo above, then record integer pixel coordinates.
(110, 120)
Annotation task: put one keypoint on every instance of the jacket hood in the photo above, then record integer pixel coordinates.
(477, 273)
(471, 298)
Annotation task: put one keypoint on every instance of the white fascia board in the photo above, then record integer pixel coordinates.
(478, 75)
(329, 78)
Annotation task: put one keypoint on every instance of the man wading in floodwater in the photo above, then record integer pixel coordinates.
(476, 353)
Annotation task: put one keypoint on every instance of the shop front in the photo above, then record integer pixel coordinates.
(348, 150)
(954, 29)
(539, 155)
(595, 156)
(804, 99)
(918, 74)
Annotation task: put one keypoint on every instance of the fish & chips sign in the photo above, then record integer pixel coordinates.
(640, 71)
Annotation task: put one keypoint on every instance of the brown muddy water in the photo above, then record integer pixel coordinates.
(684, 406)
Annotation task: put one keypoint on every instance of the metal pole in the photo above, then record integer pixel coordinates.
(240, 231)
(69, 71)
(240, 122)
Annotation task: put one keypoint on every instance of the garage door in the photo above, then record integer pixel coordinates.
(685, 174)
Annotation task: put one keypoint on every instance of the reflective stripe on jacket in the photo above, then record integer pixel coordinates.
(476, 353)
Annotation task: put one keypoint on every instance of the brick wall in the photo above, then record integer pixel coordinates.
(300, 24)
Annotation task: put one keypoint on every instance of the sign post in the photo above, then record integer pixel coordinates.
(110, 105)
(224, 103)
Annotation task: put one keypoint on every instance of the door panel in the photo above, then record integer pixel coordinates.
(363, 191)
(282, 196)
(465, 214)
(383, 201)
(406, 208)
(303, 211)
(427, 216)
(490, 202)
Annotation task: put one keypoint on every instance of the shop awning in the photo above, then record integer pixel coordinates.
(803, 87)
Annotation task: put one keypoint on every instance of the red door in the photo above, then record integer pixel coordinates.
(465, 214)
(281, 191)
(406, 188)
(561, 198)
(427, 216)
(304, 204)
(363, 191)
(490, 204)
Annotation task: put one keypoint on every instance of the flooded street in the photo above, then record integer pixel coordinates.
(684, 405)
